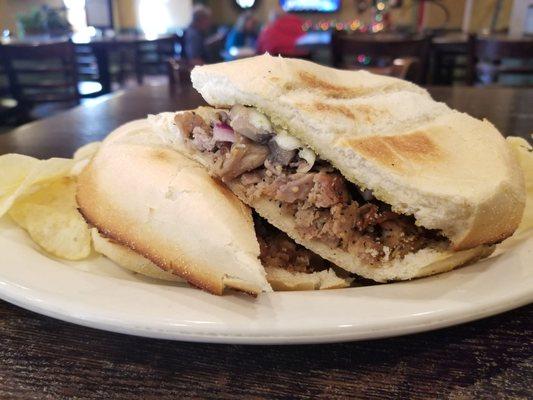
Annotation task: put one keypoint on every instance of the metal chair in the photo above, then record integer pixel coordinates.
(384, 47)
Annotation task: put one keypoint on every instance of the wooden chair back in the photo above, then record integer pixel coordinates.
(486, 54)
(5, 90)
(41, 72)
(383, 46)
(152, 55)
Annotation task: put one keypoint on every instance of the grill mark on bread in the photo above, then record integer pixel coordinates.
(181, 268)
(337, 108)
(397, 151)
(356, 113)
(161, 155)
(308, 81)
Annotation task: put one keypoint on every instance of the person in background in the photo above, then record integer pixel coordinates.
(244, 33)
(279, 36)
(198, 42)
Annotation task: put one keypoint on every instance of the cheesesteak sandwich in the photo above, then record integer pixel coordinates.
(160, 214)
(366, 171)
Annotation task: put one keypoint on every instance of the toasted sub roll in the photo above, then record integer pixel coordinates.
(442, 180)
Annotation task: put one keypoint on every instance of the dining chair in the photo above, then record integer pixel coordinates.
(347, 50)
(7, 102)
(89, 74)
(41, 72)
(492, 58)
(151, 56)
(448, 57)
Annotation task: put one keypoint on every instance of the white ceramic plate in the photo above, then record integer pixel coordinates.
(99, 294)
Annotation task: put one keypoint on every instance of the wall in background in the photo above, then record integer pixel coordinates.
(225, 12)
(125, 12)
(126, 15)
(10, 8)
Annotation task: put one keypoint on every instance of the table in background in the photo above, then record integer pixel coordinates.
(42, 358)
(102, 47)
(508, 108)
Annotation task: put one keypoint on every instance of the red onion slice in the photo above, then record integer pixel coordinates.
(223, 133)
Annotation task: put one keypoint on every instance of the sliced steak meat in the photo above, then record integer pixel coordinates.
(325, 206)
(251, 178)
(279, 250)
(344, 219)
(329, 189)
(294, 188)
(367, 249)
(244, 156)
(202, 140)
(401, 236)
(188, 120)
(367, 215)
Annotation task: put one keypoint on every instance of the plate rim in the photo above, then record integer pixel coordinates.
(220, 338)
(445, 311)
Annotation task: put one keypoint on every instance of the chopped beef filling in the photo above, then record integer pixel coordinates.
(243, 149)
(279, 250)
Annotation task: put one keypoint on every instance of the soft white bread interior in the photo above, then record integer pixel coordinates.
(166, 208)
(128, 259)
(283, 280)
(454, 173)
(428, 261)
(425, 262)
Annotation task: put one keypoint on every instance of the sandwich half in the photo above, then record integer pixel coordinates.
(158, 213)
(367, 171)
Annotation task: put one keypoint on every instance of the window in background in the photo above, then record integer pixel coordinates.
(245, 3)
(156, 17)
(76, 14)
(310, 5)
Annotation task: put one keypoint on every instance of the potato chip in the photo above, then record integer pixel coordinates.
(87, 151)
(83, 156)
(51, 218)
(20, 175)
(14, 168)
(524, 153)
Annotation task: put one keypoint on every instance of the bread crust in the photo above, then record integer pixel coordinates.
(134, 192)
(454, 173)
(279, 279)
(428, 261)
(282, 280)
(128, 259)
(425, 262)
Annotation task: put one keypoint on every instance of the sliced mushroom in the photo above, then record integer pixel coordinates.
(250, 123)
(279, 155)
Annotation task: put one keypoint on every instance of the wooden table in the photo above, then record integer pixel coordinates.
(42, 358)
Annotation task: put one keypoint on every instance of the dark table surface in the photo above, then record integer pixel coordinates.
(42, 358)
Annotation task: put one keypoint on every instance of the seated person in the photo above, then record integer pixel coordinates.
(244, 33)
(280, 35)
(198, 40)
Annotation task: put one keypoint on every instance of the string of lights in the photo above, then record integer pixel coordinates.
(380, 21)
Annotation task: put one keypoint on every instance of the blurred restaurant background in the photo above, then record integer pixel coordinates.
(56, 54)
